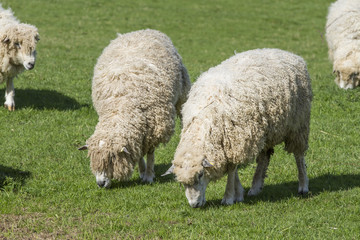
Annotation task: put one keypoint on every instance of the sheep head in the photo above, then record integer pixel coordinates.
(20, 43)
(347, 68)
(109, 159)
(347, 79)
(195, 180)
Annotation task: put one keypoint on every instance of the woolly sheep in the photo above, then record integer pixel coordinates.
(343, 38)
(238, 111)
(17, 51)
(139, 85)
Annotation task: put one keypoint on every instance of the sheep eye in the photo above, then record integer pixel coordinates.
(201, 174)
(355, 74)
(17, 45)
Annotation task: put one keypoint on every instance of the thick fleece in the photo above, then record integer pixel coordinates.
(343, 38)
(240, 110)
(139, 85)
(17, 51)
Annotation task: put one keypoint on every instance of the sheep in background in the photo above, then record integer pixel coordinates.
(238, 111)
(343, 38)
(17, 51)
(139, 85)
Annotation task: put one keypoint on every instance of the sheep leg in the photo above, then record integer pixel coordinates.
(149, 172)
(263, 161)
(303, 179)
(9, 95)
(142, 167)
(239, 190)
(230, 196)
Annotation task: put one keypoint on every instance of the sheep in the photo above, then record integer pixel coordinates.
(17, 51)
(238, 111)
(343, 39)
(138, 87)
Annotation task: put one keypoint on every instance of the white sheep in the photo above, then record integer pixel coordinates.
(17, 51)
(139, 85)
(343, 38)
(238, 111)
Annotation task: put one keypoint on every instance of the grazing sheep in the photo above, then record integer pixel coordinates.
(238, 111)
(17, 51)
(139, 85)
(343, 38)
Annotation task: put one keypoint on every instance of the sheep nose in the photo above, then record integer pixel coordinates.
(30, 65)
(101, 183)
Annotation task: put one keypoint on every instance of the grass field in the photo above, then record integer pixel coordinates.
(47, 190)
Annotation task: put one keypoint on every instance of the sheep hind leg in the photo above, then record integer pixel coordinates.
(303, 179)
(149, 171)
(263, 161)
(233, 189)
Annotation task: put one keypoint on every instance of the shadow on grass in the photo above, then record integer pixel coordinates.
(317, 185)
(159, 169)
(12, 179)
(43, 99)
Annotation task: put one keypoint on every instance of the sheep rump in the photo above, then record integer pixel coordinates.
(239, 110)
(17, 51)
(139, 85)
(343, 38)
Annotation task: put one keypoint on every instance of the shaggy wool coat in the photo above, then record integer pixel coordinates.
(247, 104)
(138, 86)
(343, 36)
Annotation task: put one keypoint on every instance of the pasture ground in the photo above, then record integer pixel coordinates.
(47, 190)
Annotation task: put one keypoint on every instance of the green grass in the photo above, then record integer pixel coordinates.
(47, 189)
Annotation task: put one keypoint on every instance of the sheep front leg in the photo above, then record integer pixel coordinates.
(142, 167)
(234, 191)
(263, 161)
(149, 171)
(239, 190)
(9, 95)
(303, 179)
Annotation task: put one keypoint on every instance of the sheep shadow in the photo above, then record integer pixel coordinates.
(12, 178)
(135, 180)
(43, 99)
(283, 191)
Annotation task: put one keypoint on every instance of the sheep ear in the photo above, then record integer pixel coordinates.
(125, 150)
(169, 171)
(85, 147)
(205, 163)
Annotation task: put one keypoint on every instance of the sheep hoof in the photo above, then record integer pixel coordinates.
(303, 193)
(10, 107)
(227, 201)
(253, 192)
(147, 179)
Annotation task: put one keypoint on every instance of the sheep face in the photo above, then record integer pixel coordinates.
(347, 68)
(195, 177)
(347, 79)
(20, 42)
(108, 161)
(195, 193)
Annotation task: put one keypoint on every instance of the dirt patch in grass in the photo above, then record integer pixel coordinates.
(32, 226)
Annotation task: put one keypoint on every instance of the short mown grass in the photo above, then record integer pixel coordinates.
(47, 190)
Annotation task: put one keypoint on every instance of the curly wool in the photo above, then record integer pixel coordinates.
(343, 36)
(14, 31)
(139, 85)
(249, 103)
